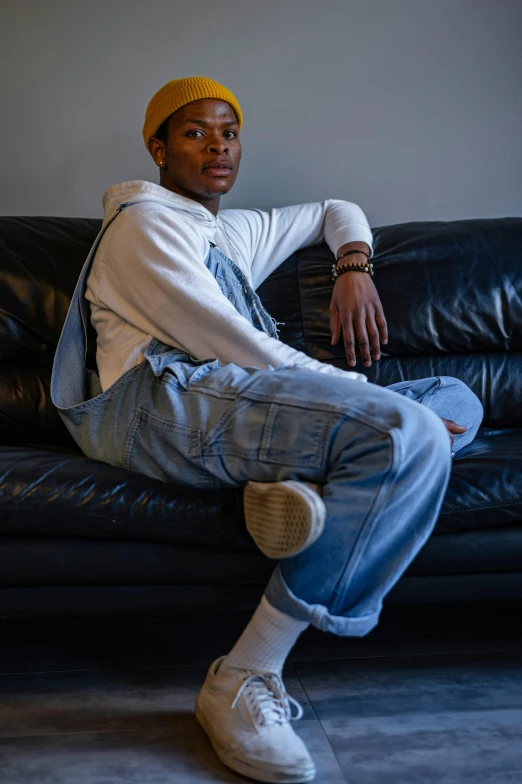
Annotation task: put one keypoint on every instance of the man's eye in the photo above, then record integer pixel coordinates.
(190, 133)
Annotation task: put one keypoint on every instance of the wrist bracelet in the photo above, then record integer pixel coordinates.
(349, 252)
(358, 266)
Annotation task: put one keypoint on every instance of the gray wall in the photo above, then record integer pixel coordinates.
(411, 108)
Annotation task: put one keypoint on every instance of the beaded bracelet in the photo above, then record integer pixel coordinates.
(358, 266)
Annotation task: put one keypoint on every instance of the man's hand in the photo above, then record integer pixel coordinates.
(356, 307)
(453, 428)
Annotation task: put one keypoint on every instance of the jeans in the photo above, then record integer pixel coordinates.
(382, 455)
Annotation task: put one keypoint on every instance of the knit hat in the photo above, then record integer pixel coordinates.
(178, 93)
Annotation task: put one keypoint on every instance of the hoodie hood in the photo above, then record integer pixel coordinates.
(141, 190)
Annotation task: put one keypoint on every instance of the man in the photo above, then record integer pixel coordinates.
(194, 386)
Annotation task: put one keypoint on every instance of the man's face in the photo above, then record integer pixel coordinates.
(202, 152)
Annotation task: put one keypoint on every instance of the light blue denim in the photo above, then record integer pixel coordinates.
(383, 459)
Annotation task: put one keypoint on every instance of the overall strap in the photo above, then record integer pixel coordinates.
(68, 378)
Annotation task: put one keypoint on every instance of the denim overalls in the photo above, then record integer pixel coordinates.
(383, 460)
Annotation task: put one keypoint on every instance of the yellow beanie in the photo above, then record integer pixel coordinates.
(177, 93)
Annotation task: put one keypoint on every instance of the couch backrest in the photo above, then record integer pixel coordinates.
(40, 261)
(451, 292)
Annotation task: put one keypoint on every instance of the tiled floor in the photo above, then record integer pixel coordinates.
(434, 694)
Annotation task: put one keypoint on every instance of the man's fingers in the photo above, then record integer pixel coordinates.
(381, 324)
(373, 332)
(369, 328)
(362, 339)
(453, 427)
(334, 325)
(349, 344)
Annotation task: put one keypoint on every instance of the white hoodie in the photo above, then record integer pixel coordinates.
(149, 279)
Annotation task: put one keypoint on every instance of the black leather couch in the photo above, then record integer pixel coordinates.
(80, 537)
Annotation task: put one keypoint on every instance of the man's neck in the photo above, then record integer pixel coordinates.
(211, 204)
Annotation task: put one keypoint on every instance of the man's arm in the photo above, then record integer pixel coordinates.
(268, 238)
(153, 276)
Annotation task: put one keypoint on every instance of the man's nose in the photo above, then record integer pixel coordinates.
(218, 145)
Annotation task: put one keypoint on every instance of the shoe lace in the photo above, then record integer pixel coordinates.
(268, 697)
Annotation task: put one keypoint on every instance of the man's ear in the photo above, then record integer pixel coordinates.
(158, 150)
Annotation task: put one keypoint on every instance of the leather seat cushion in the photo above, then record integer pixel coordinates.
(50, 493)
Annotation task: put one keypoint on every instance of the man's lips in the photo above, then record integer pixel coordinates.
(221, 168)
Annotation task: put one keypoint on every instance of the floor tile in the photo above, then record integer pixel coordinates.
(177, 752)
(123, 726)
(328, 768)
(118, 700)
(400, 720)
(483, 747)
(413, 684)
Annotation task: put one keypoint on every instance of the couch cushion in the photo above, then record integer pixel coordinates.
(47, 493)
(485, 488)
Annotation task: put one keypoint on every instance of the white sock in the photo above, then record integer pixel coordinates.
(266, 641)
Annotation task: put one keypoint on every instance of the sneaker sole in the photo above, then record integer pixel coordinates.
(235, 763)
(283, 518)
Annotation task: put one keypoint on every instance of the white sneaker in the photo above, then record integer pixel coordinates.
(283, 518)
(246, 714)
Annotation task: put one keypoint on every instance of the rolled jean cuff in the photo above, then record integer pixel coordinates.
(279, 595)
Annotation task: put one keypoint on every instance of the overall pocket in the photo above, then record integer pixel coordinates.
(167, 451)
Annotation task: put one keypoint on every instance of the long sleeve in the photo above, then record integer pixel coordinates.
(268, 238)
(152, 275)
